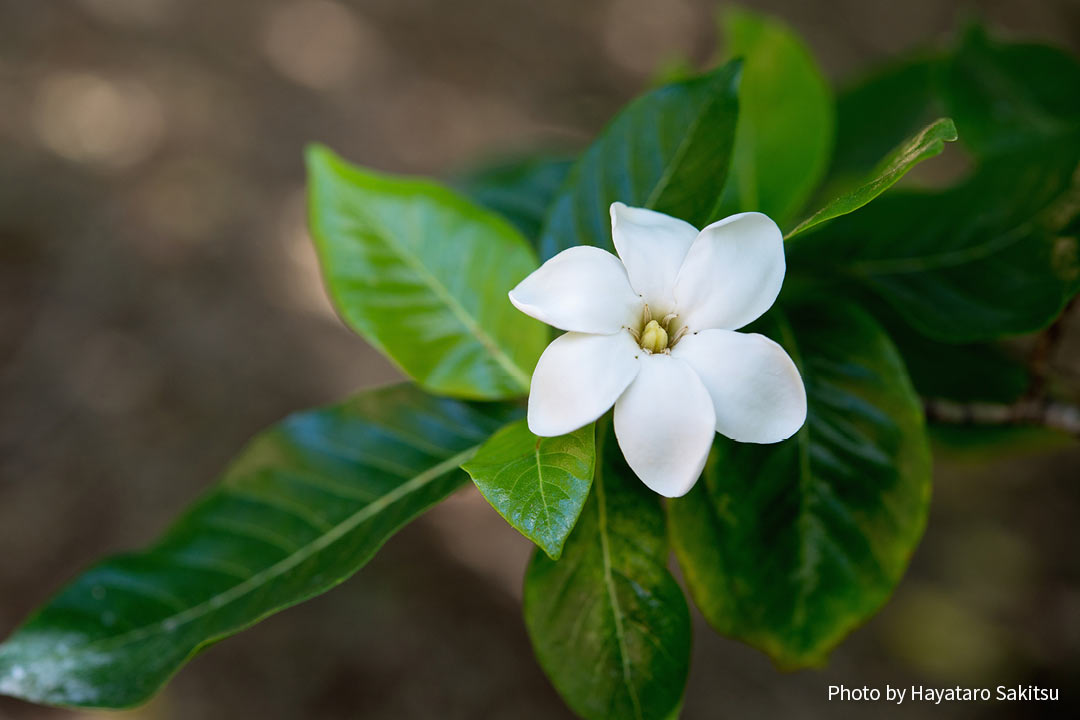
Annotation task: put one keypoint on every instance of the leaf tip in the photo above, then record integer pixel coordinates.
(316, 153)
(948, 126)
(794, 663)
(553, 552)
(320, 159)
(734, 67)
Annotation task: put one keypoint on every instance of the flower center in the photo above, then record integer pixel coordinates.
(654, 338)
(657, 336)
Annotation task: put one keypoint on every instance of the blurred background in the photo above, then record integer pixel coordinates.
(160, 303)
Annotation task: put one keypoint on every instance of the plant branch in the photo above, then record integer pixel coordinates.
(1034, 408)
(1047, 413)
(1042, 355)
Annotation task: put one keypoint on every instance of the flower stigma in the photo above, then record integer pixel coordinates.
(654, 338)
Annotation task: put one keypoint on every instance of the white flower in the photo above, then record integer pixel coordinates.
(654, 336)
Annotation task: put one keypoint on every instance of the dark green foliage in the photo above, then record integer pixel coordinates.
(302, 508)
(608, 622)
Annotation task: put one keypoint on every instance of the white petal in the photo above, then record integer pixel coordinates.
(755, 387)
(665, 425)
(582, 289)
(652, 247)
(578, 378)
(732, 273)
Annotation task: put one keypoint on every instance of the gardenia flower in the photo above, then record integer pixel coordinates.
(654, 335)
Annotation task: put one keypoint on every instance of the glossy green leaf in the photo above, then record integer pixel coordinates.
(1004, 95)
(975, 372)
(979, 372)
(423, 275)
(521, 190)
(784, 139)
(978, 262)
(925, 144)
(788, 547)
(305, 505)
(538, 485)
(878, 112)
(608, 622)
(668, 150)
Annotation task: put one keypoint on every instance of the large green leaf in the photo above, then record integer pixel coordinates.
(1005, 95)
(788, 547)
(538, 485)
(519, 190)
(786, 119)
(980, 372)
(925, 144)
(423, 275)
(304, 506)
(981, 261)
(976, 372)
(668, 150)
(608, 622)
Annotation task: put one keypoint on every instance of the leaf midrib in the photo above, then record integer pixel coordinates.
(666, 175)
(942, 260)
(687, 139)
(882, 178)
(806, 476)
(453, 304)
(609, 582)
(335, 533)
(540, 485)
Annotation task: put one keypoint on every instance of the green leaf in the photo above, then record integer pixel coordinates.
(608, 622)
(980, 372)
(977, 372)
(538, 485)
(978, 262)
(786, 119)
(877, 113)
(668, 150)
(788, 547)
(520, 190)
(305, 505)
(423, 275)
(927, 143)
(1006, 95)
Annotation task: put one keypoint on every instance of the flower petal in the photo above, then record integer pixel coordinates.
(665, 425)
(582, 289)
(652, 247)
(578, 378)
(755, 387)
(732, 273)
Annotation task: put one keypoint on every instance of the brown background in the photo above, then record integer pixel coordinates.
(159, 303)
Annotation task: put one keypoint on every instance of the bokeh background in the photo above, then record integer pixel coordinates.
(160, 303)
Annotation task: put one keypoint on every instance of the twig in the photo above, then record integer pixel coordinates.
(1034, 408)
(1048, 413)
(1042, 355)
